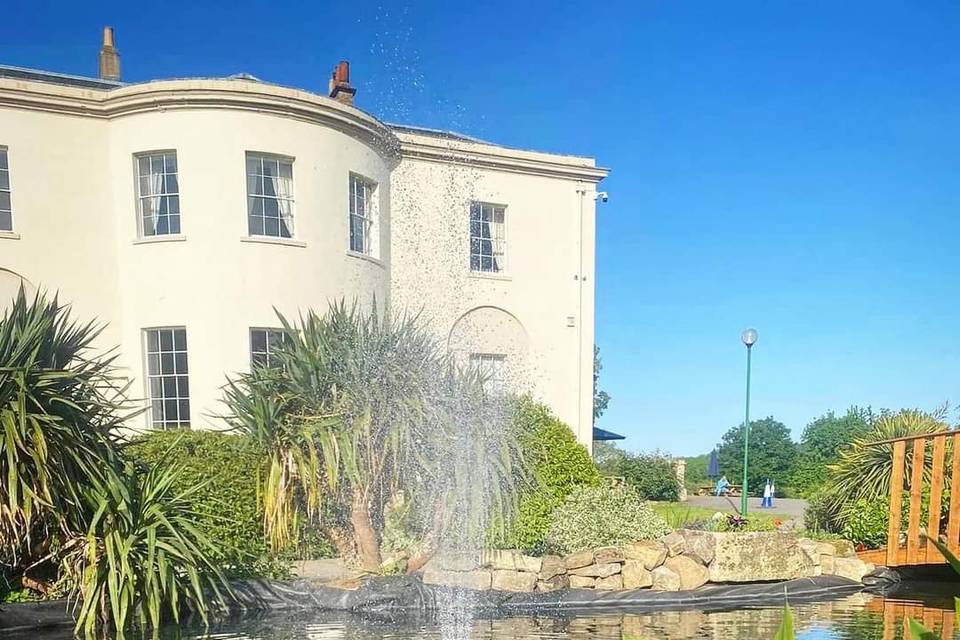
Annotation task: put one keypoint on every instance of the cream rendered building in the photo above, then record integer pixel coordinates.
(181, 212)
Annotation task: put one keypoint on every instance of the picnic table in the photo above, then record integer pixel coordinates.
(733, 490)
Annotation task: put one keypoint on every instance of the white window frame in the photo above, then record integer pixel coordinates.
(165, 193)
(497, 241)
(5, 168)
(268, 331)
(177, 373)
(495, 377)
(368, 218)
(283, 201)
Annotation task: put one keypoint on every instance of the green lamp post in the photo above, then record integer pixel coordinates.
(749, 338)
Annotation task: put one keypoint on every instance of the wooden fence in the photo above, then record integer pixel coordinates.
(909, 547)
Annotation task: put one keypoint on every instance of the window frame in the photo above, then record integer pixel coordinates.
(5, 150)
(284, 337)
(369, 221)
(139, 197)
(504, 256)
(291, 198)
(152, 421)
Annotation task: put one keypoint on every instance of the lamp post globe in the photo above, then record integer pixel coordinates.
(749, 337)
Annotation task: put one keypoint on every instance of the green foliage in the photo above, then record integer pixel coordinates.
(867, 524)
(785, 631)
(822, 441)
(696, 473)
(772, 453)
(600, 398)
(653, 475)
(224, 472)
(140, 558)
(600, 516)
(559, 465)
(820, 514)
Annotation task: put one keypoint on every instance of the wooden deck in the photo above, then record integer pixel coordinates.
(908, 546)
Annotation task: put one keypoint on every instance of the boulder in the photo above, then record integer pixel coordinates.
(555, 583)
(501, 559)
(842, 548)
(582, 582)
(479, 579)
(675, 543)
(610, 583)
(692, 573)
(514, 581)
(665, 579)
(756, 557)
(551, 566)
(528, 563)
(604, 555)
(852, 568)
(828, 565)
(579, 559)
(651, 553)
(597, 570)
(699, 545)
(811, 556)
(635, 575)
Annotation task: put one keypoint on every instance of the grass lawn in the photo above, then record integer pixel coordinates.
(677, 514)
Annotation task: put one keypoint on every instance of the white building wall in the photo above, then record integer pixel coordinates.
(75, 219)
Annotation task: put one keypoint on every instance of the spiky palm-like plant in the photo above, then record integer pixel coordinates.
(139, 558)
(864, 469)
(59, 406)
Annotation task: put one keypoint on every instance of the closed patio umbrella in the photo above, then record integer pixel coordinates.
(713, 468)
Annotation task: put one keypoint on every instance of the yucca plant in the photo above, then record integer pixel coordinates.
(59, 406)
(864, 469)
(139, 559)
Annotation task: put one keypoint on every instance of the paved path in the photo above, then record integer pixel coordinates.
(791, 508)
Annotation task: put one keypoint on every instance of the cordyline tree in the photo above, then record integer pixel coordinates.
(358, 406)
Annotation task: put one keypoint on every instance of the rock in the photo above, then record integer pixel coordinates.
(551, 566)
(610, 583)
(479, 579)
(635, 575)
(582, 582)
(842, 548)
(852, 568)
(514, 581)
(811, 556)
(456, 560)
(665, 579)
(528, 563)
(699, 545)
(502, 559)
(649, 552)
(692, 573)
(675, 544)
(604, 555)
(579, 559)
(560, 581)
(828, 565)
(597, 570)
(756, 557)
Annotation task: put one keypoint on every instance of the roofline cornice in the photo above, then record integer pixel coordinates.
(199, 94)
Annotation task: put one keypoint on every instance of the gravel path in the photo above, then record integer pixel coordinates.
(791, 508)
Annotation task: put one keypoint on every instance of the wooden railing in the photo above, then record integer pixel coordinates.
(910, 547)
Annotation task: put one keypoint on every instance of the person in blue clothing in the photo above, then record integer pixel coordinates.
(722, 486)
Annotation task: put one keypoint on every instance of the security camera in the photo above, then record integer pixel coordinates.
(603, 196)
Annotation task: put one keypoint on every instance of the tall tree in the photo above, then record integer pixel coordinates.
(821, 443)
(600, 398)
(772, 453)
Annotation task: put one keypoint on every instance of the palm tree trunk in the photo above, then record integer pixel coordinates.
(368, 544)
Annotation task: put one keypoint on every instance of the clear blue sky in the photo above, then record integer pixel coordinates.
(792, 166)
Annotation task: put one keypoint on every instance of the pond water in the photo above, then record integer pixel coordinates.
(856, 617)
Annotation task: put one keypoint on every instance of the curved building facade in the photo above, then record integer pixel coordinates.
(182, 213)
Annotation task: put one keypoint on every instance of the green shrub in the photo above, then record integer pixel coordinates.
(560, 465)
(820, 514)
(600, 516)
(867, 523)
(225, 469)
(653, 475)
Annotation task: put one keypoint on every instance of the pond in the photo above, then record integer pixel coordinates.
(857, 617)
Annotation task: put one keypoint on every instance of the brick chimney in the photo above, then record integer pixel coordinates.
(109, 57)
(340, 88)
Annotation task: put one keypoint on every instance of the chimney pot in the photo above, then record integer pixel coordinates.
(109, 57)
(340, 87)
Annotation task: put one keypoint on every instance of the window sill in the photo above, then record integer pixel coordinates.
(9, 235)
(483, 275)
(289, 242)
(364, 256)
(173, 237)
